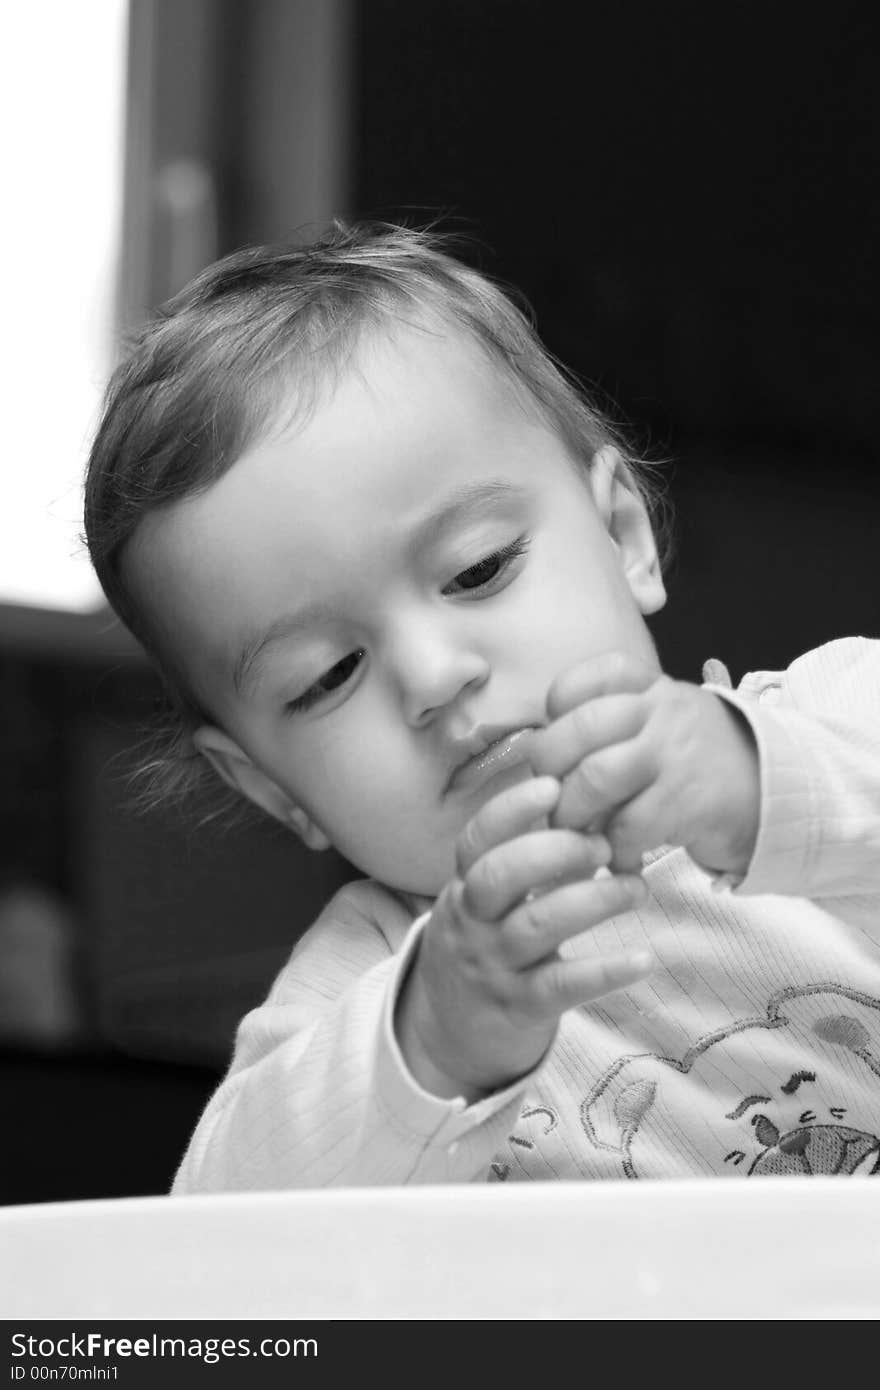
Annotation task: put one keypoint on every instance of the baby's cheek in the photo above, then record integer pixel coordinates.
(385, 822)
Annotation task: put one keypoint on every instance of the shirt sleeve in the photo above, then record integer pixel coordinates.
(817, 729)
(318, 1093)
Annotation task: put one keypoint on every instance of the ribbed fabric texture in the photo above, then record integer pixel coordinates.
(753, 1049)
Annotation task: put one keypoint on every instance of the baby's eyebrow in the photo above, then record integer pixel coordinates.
(465, 503)
(245, 672)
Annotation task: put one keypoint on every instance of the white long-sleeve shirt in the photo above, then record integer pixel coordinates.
(753, 1048)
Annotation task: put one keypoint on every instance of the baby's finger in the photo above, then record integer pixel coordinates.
(611, 673)
(645, 822)
(506, 816)
(539, 926)
(504, 875)
(605, 780)
(606, 720)
(559, 985)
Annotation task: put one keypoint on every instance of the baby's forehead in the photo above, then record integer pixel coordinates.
(414, 394)
(383, 357)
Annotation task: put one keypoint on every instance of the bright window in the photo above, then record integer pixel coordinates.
(61, 106)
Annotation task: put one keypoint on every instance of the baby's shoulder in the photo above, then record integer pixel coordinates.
(364, 907)
(362, 925)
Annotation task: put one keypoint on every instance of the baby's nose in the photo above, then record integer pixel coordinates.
(433, 672)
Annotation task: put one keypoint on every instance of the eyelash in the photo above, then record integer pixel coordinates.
(503, 558)
(315, 693)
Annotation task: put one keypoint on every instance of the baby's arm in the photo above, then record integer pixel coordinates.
(330, 1085)
(777, 783)
(316, 1094)
(817, 728)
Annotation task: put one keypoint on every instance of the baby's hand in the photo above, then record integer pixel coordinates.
(651, 761)
(482, 1002)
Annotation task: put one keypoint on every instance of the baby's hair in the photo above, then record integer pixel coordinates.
(261, 332)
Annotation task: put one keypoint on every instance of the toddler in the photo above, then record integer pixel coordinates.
(396, 570)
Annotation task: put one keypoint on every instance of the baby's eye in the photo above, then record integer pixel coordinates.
(325, 685)
(485, 573)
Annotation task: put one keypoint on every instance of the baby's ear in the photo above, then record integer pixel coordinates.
(239, 772)
(626, 520)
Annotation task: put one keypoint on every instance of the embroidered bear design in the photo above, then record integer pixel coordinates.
(818, 1049)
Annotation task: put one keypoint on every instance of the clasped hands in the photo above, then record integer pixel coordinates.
(629, 759)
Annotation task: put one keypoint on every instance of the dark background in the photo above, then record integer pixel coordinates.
(688, 196)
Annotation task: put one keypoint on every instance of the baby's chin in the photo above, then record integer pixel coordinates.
(415, 872)
(417, 868)
(420, 882)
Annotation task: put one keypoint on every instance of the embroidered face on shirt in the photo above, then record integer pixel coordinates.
(816, 1057)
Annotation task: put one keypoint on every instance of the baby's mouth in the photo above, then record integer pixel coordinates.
(499, 754)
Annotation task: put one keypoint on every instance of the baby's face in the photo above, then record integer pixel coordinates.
(374, 603)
